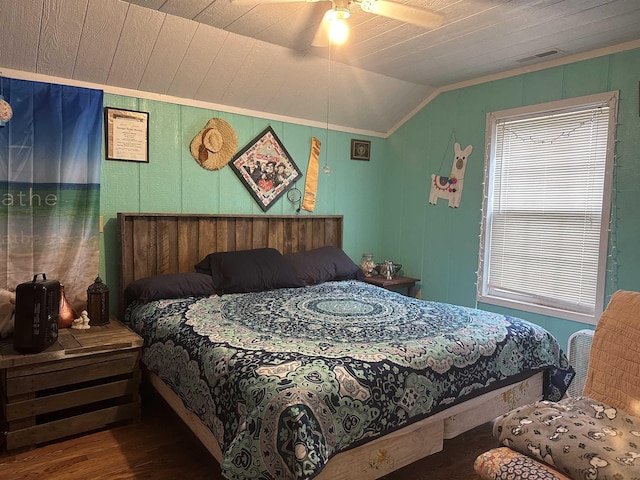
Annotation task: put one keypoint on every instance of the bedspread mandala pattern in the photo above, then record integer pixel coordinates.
(285, 379)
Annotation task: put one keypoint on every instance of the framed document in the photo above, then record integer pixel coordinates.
(127, 135)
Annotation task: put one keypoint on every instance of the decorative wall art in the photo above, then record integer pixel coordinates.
(295, 196)
(311, 183)
(127, 135)
(6, 112)
(265, 168)
(50, 176)
(450, 188)
(214, 145)
(360, 149)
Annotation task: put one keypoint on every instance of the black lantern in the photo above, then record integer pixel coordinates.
(98, 302)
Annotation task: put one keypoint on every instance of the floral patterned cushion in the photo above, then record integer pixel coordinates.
(505, 464)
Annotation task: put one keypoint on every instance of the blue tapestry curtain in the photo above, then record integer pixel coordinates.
(50, 153)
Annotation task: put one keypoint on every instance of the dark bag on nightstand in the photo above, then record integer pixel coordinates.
(37, 306)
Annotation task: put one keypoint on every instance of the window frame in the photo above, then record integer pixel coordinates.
(532, 111)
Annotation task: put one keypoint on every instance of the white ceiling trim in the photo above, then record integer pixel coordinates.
(127, 92)
(518, 71)
(18, 74)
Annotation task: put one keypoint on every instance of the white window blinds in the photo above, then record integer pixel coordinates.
(545, 211)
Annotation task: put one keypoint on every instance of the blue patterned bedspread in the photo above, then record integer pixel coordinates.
(286, 379)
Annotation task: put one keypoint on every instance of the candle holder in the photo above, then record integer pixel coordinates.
(98, 303)
(367, 264)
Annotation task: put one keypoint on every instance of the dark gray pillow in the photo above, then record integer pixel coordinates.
(323, 264)
(176, 285)
(253, 270)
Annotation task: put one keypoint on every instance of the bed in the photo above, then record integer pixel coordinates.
(336, 379)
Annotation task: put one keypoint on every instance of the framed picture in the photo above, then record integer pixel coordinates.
(265, 168)
(126, 135)
(360, 149)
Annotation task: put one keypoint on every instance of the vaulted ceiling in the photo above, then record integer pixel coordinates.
(257, 58)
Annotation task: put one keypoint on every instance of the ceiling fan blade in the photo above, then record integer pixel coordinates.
(260, 2)
(404, 13)
(321, 38)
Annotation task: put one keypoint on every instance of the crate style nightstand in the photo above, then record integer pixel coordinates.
(395, 283)
(88, 379)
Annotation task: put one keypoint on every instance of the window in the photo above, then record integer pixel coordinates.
(548, 175)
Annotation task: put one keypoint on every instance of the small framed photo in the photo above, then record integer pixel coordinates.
(265, 168)
(360, 149)
(126, 135)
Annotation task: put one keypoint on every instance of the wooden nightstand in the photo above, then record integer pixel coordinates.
(87, 380)
(395, 283)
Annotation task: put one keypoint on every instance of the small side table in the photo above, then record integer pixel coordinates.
(86, 380)
(396, 282)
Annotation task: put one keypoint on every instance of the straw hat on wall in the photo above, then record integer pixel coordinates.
(215, 144)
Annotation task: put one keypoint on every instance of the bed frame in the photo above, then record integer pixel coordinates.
(152, 244)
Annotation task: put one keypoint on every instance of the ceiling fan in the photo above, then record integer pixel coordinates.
(339, 10)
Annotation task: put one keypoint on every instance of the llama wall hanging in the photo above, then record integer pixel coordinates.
(450, 188)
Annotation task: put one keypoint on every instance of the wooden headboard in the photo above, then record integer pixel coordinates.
(159, 243)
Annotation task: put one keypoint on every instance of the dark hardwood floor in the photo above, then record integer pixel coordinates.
(161, 447)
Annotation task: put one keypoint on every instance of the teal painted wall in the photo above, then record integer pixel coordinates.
(173, 182)
(385, 201)
(440, 243)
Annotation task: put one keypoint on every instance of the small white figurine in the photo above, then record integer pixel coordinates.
(81, 323)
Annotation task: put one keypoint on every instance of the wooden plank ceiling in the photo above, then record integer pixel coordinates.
(258, 58)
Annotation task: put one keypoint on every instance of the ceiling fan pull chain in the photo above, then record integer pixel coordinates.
(444, 155)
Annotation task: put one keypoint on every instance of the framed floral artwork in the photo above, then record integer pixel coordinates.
(360, 149)
(265, 168)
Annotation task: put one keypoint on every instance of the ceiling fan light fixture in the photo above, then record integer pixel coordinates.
(341, 13)
(338, 30)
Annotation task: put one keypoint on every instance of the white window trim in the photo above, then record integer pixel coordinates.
(482, 295)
